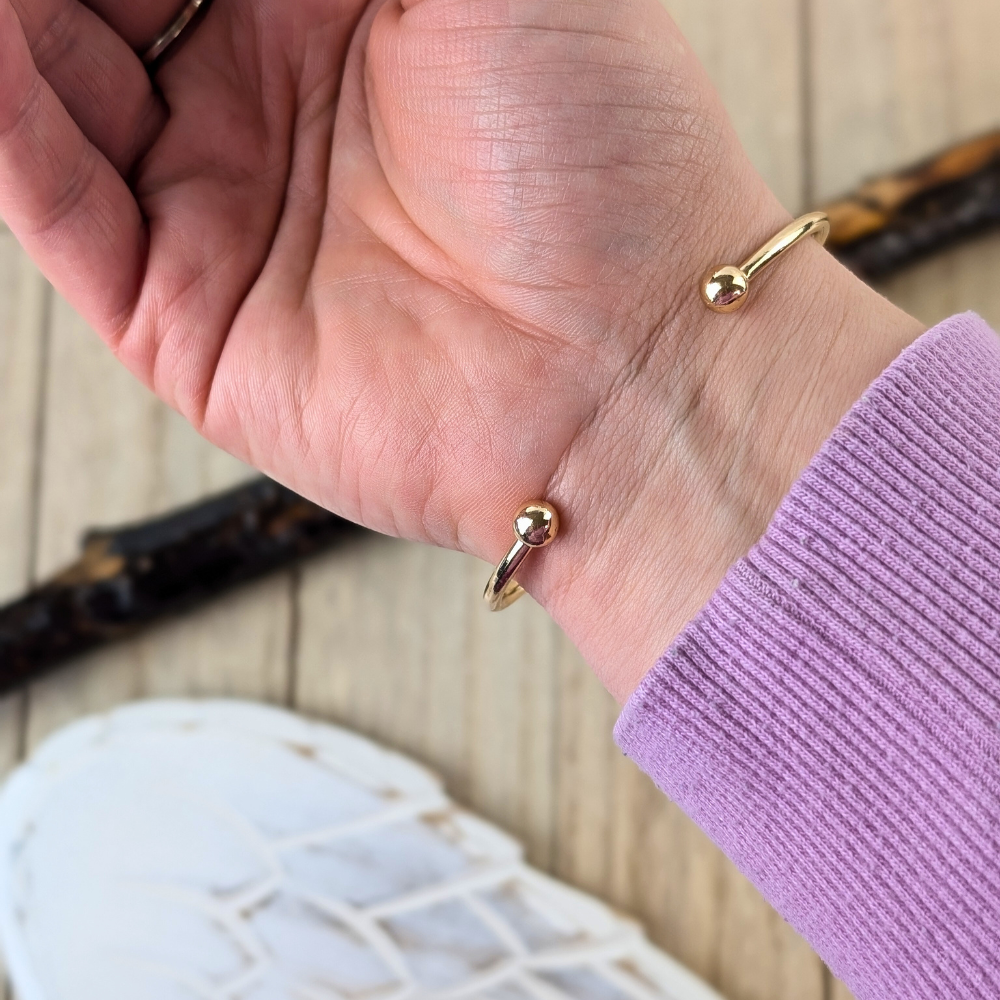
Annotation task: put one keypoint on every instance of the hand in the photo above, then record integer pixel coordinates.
(425, 259)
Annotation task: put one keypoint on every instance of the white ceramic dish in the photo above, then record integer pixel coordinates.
(227, 851)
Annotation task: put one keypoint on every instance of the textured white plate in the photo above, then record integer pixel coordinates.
(227, 851)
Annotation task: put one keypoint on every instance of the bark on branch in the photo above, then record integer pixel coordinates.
(129, 577)
(892, 221)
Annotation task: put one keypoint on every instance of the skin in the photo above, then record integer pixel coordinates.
(423, 260)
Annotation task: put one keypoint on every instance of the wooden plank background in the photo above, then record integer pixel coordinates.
(389, 638)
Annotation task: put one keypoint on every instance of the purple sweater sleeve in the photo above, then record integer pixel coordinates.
(832, 717)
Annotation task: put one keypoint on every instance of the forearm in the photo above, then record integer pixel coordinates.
(681, 471)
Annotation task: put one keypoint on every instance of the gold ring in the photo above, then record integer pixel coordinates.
(725, 289)
(176, 29)
(535, 525)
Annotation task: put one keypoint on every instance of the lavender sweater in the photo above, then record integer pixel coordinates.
(832, 717)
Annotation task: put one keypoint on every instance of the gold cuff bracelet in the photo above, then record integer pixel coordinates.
(726, 289)
(535, 526)
(177, 27)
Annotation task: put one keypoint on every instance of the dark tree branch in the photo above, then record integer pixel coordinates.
(892, 221)
(133, 576)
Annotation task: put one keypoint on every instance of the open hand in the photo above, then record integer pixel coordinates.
(420, 260)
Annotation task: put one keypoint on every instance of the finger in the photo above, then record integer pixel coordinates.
(99, 79)
(213, 195)
(63, 200)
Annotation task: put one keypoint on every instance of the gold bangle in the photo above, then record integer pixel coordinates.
(178, 27)
(535, 525)
(726, 289)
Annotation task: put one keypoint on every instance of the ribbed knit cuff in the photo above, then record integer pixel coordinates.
(832, 717)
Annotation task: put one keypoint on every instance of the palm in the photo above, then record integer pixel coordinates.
(383, 256)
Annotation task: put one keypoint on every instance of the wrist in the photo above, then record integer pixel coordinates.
(678, 475)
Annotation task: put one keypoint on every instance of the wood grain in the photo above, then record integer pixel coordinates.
(23, 299)
(895, 81)
(395, 642)
(112, 453)
(754, 54)
(24, 296)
